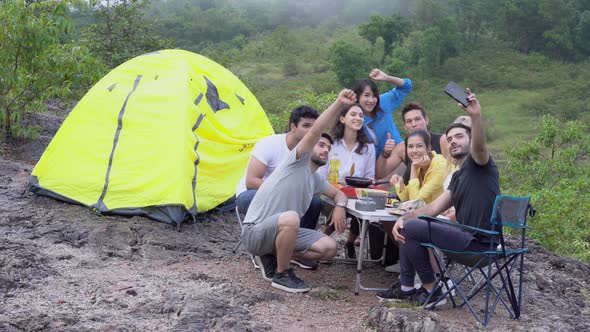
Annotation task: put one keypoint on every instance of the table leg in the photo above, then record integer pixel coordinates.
(384, 248)
(359, 264)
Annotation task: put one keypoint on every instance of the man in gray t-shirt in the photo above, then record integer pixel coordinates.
(271, 227)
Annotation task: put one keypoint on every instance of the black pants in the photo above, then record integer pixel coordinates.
(414, 258)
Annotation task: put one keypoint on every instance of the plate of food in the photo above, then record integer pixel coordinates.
(405, 207)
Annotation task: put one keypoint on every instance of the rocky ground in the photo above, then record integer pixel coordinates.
(63, 268)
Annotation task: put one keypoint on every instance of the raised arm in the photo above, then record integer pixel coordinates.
(378, 75)
(391, 99)
(345, 98)
(385, 166)
(479, 149)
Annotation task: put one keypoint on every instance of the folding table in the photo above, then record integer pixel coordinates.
(366, 218)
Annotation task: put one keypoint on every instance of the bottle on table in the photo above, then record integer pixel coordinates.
(334, 174)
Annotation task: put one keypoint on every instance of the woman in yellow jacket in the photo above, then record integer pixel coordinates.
(428, 172)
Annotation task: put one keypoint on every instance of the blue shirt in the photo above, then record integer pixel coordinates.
(383, 122)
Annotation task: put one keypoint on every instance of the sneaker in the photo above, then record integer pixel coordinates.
(305, 264)
(421, 295)
(417, 282)
(289, 282)
(256, 266)
(395, 268)
(395, 294)
(268, 264)
(349, 251)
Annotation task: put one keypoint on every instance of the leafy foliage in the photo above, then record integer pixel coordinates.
(120, 31)
(349, 62)
(34, 64)
(392, 29)
(306, 96)
(195, 25)
(553, 167)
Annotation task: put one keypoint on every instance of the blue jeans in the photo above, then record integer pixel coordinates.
(309, 219)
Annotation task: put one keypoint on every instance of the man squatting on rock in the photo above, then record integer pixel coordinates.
(271, 229)
(472, 191)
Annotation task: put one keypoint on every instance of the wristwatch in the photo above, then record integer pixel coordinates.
(341, 204)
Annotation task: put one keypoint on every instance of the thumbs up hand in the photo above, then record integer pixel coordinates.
(389, 145)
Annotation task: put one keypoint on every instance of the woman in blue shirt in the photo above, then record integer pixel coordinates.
(378, 110)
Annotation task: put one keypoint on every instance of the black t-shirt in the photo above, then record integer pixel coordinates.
(434, 142)
(473, 191)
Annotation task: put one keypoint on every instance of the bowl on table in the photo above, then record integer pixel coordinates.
(378, 196)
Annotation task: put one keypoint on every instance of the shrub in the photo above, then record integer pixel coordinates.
(553, 168)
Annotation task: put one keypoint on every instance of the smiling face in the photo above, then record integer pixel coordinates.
(353, 119)
(459, 143)
(368, 99)
(417, 148)
(414, 119)
(319, 156)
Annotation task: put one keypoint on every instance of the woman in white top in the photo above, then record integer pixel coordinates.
(356, 153)
(351, 146)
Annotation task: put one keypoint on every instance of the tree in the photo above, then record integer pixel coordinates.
(473, 18)
(429, 12)
(34, 64)
(562, 18)
(372, 29)
(521, 24)
(121, 32)
(349, 62)
(582, 33)
(392, 29)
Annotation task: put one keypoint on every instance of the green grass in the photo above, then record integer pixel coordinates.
(505, 117)
(505, 121)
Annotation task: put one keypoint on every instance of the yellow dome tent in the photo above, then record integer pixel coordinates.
(165, 135)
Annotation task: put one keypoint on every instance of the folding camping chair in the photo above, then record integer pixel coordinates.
(240, 223)
(239, 216)
(499, 261)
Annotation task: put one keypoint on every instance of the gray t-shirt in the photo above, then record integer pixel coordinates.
(289, 188)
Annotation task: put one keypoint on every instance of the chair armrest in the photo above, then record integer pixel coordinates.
(458, 225)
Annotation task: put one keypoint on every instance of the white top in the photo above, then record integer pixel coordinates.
(447, 181)
(271, 151)
(364, 164)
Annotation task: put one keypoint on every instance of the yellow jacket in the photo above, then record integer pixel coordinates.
(432, 185)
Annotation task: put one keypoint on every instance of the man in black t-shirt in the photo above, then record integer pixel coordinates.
(472, 191)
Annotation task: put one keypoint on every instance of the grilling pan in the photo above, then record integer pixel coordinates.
(359, 182)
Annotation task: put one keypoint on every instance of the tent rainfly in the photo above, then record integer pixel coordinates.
(165, 135)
